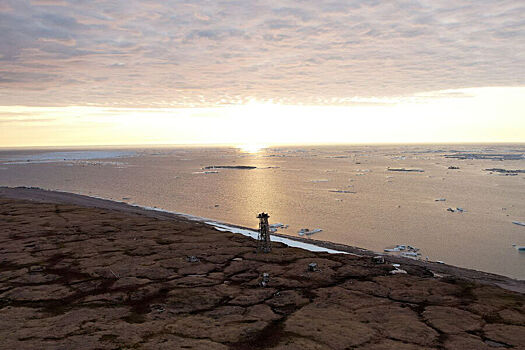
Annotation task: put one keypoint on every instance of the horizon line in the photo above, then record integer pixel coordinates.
(269, 146)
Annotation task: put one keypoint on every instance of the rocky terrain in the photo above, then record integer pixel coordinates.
(77, 277)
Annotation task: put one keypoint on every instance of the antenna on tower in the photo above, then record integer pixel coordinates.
(263, 243)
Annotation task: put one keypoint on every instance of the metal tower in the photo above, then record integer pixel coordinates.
(263, 243)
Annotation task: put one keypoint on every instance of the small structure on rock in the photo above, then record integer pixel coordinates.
(378, 259)
(263, 243)
(192, 259)
(312, 267)
(265, 279)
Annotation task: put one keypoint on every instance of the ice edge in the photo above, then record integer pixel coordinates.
(246, 232)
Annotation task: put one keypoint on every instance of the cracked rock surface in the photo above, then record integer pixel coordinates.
(75, 277)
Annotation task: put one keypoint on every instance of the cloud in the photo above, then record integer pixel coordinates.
(27, 121)
(26, 117)
(206, 53)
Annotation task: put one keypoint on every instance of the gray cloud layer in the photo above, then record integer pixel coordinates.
(201, 53)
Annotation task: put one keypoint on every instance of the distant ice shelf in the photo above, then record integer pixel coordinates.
(206, 172)
(406, 170)
(67, 156)
(342, 191)
(241, 167)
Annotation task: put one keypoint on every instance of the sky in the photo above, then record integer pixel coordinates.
(78, 72)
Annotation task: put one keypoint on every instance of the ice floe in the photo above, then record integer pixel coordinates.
(342, 191)
(308, 232)
(405, 250)
(406, 170)
(206, 172)
(241, 167)
(397, 270)
(278, 226)
(456, 210)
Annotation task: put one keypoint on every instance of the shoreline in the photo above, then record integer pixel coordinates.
(78, 276)
(438, 269)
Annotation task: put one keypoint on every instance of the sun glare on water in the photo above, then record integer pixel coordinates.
(251, 148)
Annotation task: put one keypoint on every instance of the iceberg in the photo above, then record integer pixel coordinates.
(308, 232)
(275, 227)
(406, 170)
(405, 250)
(342, 191)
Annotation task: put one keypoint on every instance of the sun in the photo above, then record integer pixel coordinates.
(251, 147)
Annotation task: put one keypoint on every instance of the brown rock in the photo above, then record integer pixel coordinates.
(388, 344)
(507, 334)
(14, 318)
(280, 283)
(193, 281)
(77, 342)
(220, 258)
(186, 300)
(513, 316)
(173, 263)
(104, 299)
(399, 323)
(231, 329)
(37, 293)
(129, 282)
(7, 275)
(79, 321)
(196, 268)
(465, 342)
(296, 343)
(287, 298)
(348, 300)
(411, 289)
(240, 266)
(262, 312)
(170, 342)
(355, 271)
(450, 320)
(367, 287)
(331, 326)
(244, 277)
(126, 334)
(252, 296)
(35, 278)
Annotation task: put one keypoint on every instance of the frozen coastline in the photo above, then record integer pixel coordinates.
(42, 195)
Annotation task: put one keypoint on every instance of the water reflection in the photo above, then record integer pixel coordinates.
(251, 148)
(361, 204)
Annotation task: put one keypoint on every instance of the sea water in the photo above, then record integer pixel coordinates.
(364, 196)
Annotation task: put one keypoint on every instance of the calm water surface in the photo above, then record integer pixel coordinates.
(347, 191)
